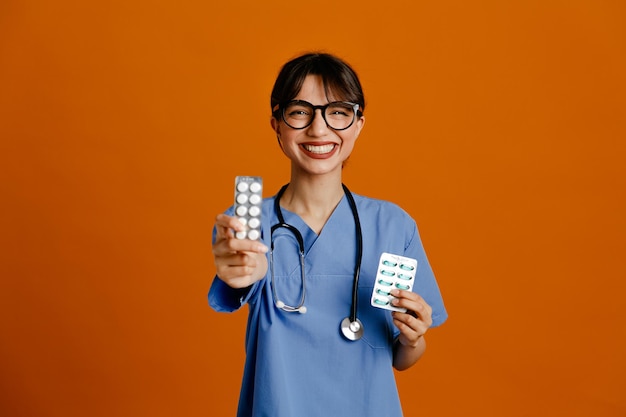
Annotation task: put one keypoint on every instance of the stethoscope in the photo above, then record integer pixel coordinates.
(351, 326)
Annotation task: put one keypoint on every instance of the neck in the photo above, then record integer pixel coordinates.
(314, 200)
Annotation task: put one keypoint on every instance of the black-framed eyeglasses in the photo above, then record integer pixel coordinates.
(299, 114)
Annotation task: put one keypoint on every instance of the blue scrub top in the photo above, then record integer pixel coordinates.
(301, 364)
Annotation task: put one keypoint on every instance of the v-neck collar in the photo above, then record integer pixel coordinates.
(308, 234)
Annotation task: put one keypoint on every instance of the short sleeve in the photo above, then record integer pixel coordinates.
(425, 283)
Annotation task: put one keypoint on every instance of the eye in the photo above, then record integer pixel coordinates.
(340, 109)
(297, 111)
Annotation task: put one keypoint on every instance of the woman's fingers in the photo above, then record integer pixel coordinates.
(228, 246)
(414, 304)
(225, 241)
(238, 262)
(225, 225)
(416, 321)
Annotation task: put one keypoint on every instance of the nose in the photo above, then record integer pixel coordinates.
(318, 126)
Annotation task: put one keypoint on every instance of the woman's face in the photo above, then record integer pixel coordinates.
(316, 149)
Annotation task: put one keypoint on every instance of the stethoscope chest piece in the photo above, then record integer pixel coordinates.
(351, 326)
(352, 330)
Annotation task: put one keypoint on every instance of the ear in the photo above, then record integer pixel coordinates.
(359, 125)
(276, 128)
(275, 125)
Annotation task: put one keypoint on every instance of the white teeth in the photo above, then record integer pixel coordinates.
(319, 149)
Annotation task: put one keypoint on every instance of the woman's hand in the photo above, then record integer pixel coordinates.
(239, 262)
(412, 325)
(415, 322)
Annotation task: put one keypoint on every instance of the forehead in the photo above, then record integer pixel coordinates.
(315, 91)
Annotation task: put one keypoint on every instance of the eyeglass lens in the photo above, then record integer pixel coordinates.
(338, 115)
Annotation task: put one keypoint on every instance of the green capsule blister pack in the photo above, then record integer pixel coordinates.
(395, 272)
(248, 201)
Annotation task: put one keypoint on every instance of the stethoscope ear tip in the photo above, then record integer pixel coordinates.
(281, 305)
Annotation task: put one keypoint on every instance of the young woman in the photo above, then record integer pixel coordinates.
(314, 344)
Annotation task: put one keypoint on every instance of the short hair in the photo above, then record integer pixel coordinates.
(340, 81)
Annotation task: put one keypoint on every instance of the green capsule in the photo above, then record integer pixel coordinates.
(381, 302)
(390, 263)
(402, 287)
(405, 277)
(381, 292)
(383, 282)
(387, 273)
(407, 267)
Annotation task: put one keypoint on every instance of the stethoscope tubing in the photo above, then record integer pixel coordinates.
(359, 254)
(351, 327)
(298, 236)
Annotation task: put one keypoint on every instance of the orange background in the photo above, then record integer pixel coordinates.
(499, 125)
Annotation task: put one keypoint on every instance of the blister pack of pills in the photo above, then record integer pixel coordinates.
(394, 272)
(248, 200)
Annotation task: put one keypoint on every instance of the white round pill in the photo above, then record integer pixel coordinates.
(255, 187)
(243, 220)
(255, 211)
(242, 187)
(255, 199)
(240, 235)
(242, 198)
(241, 211)
(253, 234)
(254, 222)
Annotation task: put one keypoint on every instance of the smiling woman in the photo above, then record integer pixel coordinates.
(495, 124)
(317, 106)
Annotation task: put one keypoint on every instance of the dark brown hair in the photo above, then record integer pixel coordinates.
(340, 80)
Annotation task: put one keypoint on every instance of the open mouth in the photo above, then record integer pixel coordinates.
(319, 149)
